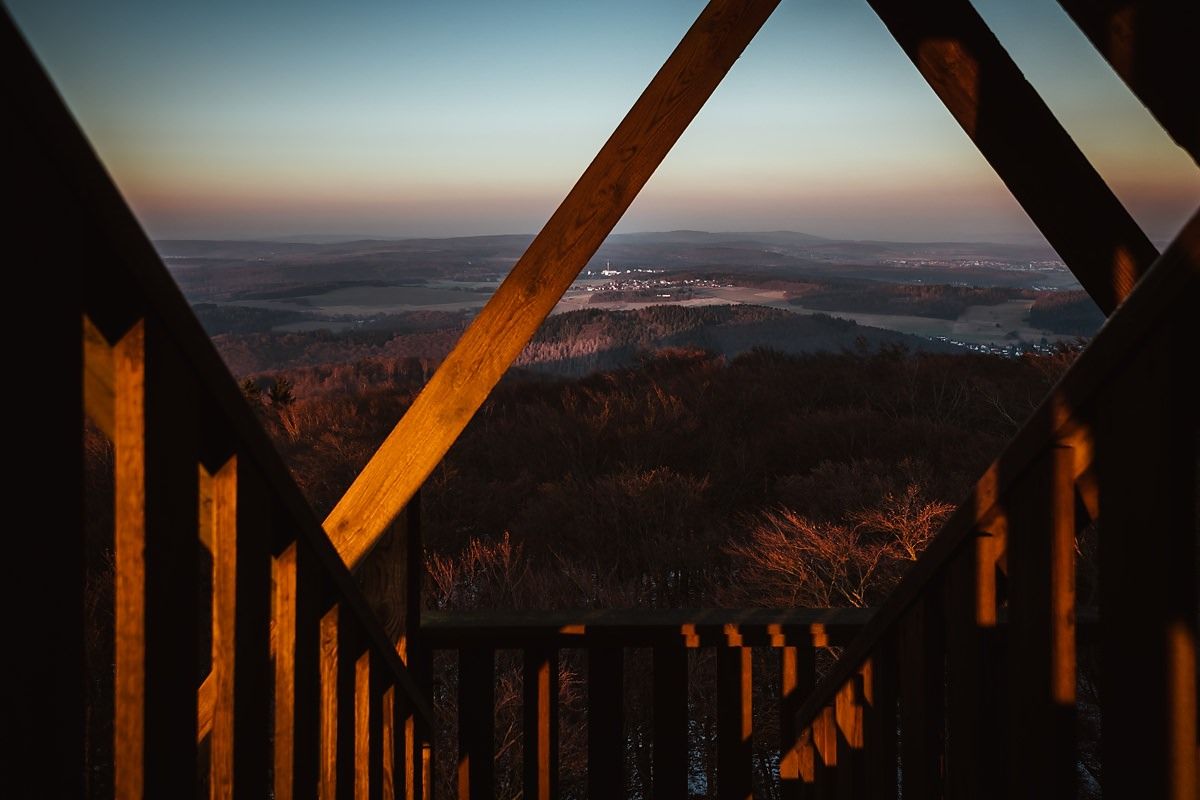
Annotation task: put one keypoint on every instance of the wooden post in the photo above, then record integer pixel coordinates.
(476, 723)
(540, 685)
(797, 677)
(329, 668)
(851, 738)
(975, 747)
(670, 722)
(1146, 454)
(735, 724)
(157, 543)
(921, 657)
(1041, 602)
(880, 689)
(606, 722)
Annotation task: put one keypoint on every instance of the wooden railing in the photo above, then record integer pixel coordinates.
(967, 708)
(670, 635)
(261, 674)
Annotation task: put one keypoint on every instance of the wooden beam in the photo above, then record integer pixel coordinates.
(553, 260)
(1151, 45)
(98, 389)
(765, 627)
(1016, 132)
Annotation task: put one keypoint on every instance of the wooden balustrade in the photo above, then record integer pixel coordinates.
(300, 672)
(269, 677)
(603, 635)
(975, 651)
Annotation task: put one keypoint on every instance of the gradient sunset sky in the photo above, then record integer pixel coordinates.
(242, 119)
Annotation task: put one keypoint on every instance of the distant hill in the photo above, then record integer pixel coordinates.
(581, 342)
(575, 343)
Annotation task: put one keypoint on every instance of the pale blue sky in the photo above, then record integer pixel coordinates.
(242, 119)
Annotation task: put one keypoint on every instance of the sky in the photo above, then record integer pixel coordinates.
(258, 118)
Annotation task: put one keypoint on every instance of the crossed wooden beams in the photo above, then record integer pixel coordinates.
(967, 68)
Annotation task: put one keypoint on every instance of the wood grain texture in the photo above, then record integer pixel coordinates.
(362, 726)
(328, 749)
(99, 390)
(220, 511)
(540, 711)
(797, 676)
(1151, 45)
(543, 273)
(1032, 153)
(283, 619)
(129, 478)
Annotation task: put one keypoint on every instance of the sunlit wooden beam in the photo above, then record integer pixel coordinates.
(542, 275)
(1016, 132)
(1152, 45)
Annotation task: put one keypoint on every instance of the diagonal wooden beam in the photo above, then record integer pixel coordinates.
(1016, 132)
(1152, 45)
(542, 275)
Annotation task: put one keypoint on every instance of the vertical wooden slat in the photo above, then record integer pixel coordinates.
(391, 738)
(283, 622)
(220, 509)
(1147, 451)
(476, 722)
(825, 752)
(849, 715)
(362, 726)
(880, 723)
(171, 550)
(606, 722)
(797, 676)
(735, 726)
(327, 789)
(540, 709)
(670, 722)
(1041, 602)
(921, 656)
(975, 746)
(129, 426)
